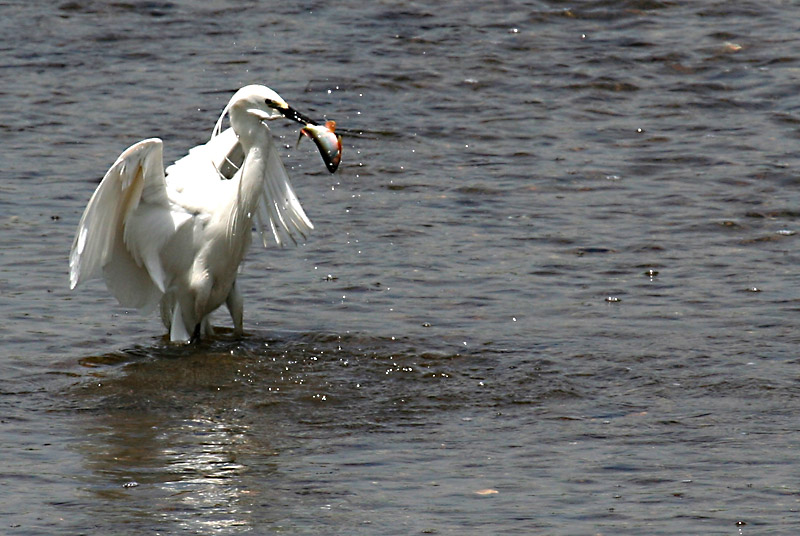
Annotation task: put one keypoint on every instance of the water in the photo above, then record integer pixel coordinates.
(552, 288)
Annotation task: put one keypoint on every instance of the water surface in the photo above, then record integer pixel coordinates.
(552, 288)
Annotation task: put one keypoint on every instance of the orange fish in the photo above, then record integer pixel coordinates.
(327, 141)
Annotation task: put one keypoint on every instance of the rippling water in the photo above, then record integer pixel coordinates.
(553, 288)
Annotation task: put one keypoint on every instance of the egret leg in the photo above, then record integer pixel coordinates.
(177, 329)
(206, 328)
(235, 305)
(196, 335)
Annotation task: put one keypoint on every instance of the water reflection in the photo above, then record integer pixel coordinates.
(224, 436)
(207, 478)
(170, 435)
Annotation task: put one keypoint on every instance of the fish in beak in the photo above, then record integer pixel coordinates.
(325, 138)
(327, 141)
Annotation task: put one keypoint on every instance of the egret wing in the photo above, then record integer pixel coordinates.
(202, 168)
(100, 247)
(279, 211)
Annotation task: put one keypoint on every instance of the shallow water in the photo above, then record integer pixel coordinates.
(551, 290)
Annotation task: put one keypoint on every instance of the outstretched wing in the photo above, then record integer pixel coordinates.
(100, 248)
(279, 210)
(278, 213)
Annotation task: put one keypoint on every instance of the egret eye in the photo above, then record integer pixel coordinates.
(271, 103)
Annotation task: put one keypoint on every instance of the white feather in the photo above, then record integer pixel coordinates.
(179, 238)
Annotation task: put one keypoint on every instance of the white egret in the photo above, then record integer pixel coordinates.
(178, 238)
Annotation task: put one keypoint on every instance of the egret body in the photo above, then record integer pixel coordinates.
(177, 238)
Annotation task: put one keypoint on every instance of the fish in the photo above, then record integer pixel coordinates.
(327, 141)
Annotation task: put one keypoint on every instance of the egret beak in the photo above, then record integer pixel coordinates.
(294, 115)
(327, 141)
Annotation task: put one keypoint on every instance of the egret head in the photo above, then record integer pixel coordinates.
(265, 104)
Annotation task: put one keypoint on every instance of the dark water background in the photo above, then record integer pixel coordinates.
(552, 290)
